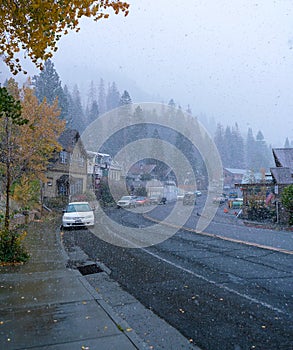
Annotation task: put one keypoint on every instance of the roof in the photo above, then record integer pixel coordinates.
(138, 169)
(282, 175)
(284, 157)
(68, 139)
(236, 171)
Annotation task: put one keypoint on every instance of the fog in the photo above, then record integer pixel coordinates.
(229, 60)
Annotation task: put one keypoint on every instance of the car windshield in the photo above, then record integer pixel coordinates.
(124, 198)
(81, 207)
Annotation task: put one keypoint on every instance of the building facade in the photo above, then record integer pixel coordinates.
(67, 170)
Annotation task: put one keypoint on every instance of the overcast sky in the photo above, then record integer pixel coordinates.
(229, 59)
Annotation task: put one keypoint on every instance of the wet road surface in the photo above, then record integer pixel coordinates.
(218, 294)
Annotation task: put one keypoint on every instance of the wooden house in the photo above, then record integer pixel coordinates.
(67, 171)
(268, 192)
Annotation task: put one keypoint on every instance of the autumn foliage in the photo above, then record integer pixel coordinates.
(36, 25)
(38, 138)
(34, 142)
(27, 147)
(29, 133)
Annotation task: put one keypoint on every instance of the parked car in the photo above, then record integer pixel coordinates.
(154, 200)
(180, 195)
(189, 199)
(126, 202)
(140, 201)
(197, 193)
(78, 214)
(219, 199)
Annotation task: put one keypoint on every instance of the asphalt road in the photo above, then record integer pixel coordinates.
(217, 293)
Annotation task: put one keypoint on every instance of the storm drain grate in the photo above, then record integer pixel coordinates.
(89, 269)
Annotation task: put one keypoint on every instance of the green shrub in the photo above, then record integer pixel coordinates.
(287, 201)
(261, 213)
(141, 192)
(105, 196)
(11, 248)
(56, 203)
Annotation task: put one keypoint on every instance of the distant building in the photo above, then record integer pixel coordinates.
(101, 166)
(284, 158)
(67, 170)
(233, 176)
(267, 191)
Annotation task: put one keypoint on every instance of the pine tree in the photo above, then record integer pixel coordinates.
(102, 97)
(68, 97)
(237, 148)
(219, 140)
(125, 99)
(262, 152)
(172, 108)
(287, 143)
(258, 154)
(93, 112)
(228, 146)
(77, 113)
(250, 150)
(172, 103)
(141, 129)
(92, 109)
(157, 154)
(113, 97)
(48, 85)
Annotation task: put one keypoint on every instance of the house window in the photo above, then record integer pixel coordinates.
(63, 189)
(63, 157)
(76, 187)
(81, 161)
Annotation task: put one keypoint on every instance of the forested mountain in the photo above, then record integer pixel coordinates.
(77, 115)
(236, 151)
(253, 153)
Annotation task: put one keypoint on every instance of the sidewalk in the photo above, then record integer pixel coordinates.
(44, 305)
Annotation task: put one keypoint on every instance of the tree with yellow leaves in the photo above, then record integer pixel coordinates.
(27, 148)
(36, 25)
(29, 133)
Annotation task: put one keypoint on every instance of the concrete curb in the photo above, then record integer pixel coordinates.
(156, 333)
(121, 324)
(229, 239)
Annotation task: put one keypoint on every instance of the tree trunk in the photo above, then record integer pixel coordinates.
(8, 174)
